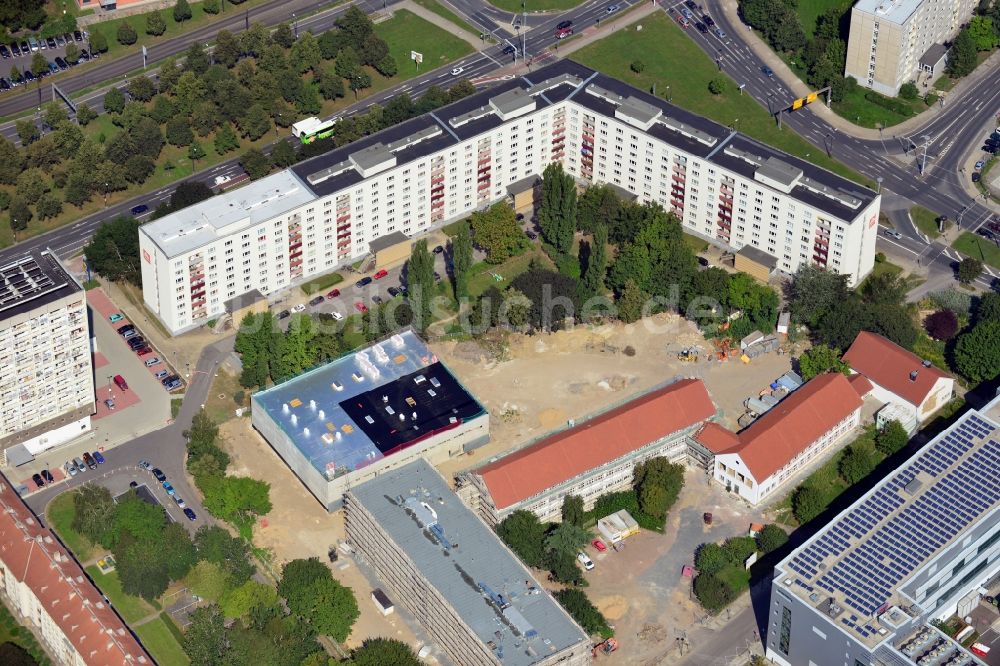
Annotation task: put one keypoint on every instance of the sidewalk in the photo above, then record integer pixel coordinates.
(800, 89)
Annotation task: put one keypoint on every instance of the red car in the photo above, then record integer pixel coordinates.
(599, 545)
(360, 307)
(142, 351)
(380, 274)
(333, 294)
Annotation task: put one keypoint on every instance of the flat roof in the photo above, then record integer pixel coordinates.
(870, 558)
(388, 240)
(481, 112)
(360, 408)
(494, 594)
(893, 11)
(232, 211)
(758, 256)
(33, 281)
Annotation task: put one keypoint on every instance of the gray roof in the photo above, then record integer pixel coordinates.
(32, 281)
(892, 11)
(933, 55)
(388, 240)
(243, 300)
(467, 564)
(241, 208)
(758, 256)
(523, 185)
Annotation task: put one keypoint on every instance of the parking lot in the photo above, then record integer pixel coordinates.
(20, 52)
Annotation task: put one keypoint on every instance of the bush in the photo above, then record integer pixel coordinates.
(637, 66)
(889, 103)
(739, 548)
(807, 503)
(711, 559)
(952, 299)
(717, 85)
(771, 538)
(941, 325)
(126, 34)
(583, 611)
(930, 99)
(908, 91)
(891, 438)
(713, 593)
(880, 257)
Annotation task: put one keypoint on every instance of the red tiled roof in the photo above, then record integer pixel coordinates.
(717, 439)
(774, 439)
(611, 435)
(860, 384)
(35, 558)
(888, 365)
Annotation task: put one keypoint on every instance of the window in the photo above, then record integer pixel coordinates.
(785, 637)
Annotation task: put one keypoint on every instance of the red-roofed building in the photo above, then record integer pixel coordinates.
(49, 592)
(590, 459)
(900, 377)
(767, 453)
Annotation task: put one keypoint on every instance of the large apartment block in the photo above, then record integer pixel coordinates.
(895, 41)
(47, 381)
(918, 547)
(441, 166)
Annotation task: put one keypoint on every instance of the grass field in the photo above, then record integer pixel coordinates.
(132, 609)
(482, 278)
(810, 11)
(884, 267)
(221, 405)
(696, 244)
(737, 577)
(978, 248)
(321, 283)
(926, 220)
(61, 512)
(672, 59)
(13, 632)
(406, 32)
(860, 111)
(160, 642)
(448, 15)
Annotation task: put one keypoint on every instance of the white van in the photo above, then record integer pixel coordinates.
(587, 563)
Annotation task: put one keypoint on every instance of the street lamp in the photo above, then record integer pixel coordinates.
(879, 181)
(295, 26)
(106, 186)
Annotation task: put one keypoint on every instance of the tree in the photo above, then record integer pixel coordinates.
(637, 66)
(311, 592)
(355, 26)
(39, 63)
(225, 140)
(585, 613)
(113, 251)
(420, 279)
(557, 212)
(307, 102)
(283, 155)
(842, 323)
(977, 354)
(554, 297)
(211, 6)
(718, 85)
(662, 474)
(227, 49)
(739, 548)
(15, 74)
(140, 566)
(19, 213)
(206, 639)
(282, 36)
(255, 163)
(196, 59)
(711, 558)
(988, 308)
(771, 538)
(93, 510)
(148, 138)
(908, 91)
(138, 518)
(255, 123)
(31, 185)
(983, 33)
(525, 535)
(807, 503)
(98, 42)
(891, 438)
(384, 651)
(330, 85)
(962, 58)
(572, 510)
(305, 54)
(820, 359)
(12, 654)
(72, 54)
(563, 567)
(941, 325)
(114, 100)
(567, 539)
(597, 261)
(216, 545)
(49, 206)
(141, 88)
(240, 601)
(236, 499)
(969, 270)
(84, 114)
(359, 81)
(126, 34)
(460, 90)
(496, 232)
(27, 131)
(859, 461)
(461, 259)
(713, 593)
(182, 11)
(155, 25)
(631, 302)
(179, 132)
(387, 66)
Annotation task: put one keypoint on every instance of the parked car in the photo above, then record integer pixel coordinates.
(142, 351)
(980, 164)
(139, 210)
(160, 374)
(136, 342)
(62, 64)
(159, 475)
(376, 299)
(128, 335)
(167, 380)
(380, 274)
(28, 76)
(121, 383)
(4, 52)
(5, 83)
(99, 457)
(531, 234)
(284, 314)
(37, 478)
(84, 55)
(51, 42)
(179, 501)
(89, 459)
(133, 484)
(360, 307)
(190, 514)
(363, 282)
(80, 467)
(587, 563)
(150, 362)
(60, 40)
(316, 301)
(599, 545)
(173, 384)
(438, 249)
(70, 468)
(333, 293)
(125, 329)
(47, 475)
(336, 315)
(77, 36)
(394, 292)
(109, 403)
(115, 317)
(144, 464)
(15, 50)
(169, 488)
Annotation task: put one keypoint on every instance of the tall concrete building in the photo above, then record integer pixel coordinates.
(328, 211)
(892, 42)
(475, 599)
(46, 371)
(917, 547)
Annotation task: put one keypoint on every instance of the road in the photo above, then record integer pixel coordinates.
(164, 448)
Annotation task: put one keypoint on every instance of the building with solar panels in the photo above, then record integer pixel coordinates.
(479, 604)
(915, 548)
(47, 383)
(373, 410)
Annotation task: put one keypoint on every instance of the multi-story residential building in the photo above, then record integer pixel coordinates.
(592, 458)
(892, 42)
(49, 592)
(325, 212)
(916, 548)
(47, 382)
(467, 590)
(374, 410)
(773, 449)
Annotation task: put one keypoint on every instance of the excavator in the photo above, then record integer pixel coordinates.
(605, 647)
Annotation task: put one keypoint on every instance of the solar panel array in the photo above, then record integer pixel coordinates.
(891, 545)
(22, 280)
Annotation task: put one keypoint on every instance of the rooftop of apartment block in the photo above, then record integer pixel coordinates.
(893, 11)
(33, 281)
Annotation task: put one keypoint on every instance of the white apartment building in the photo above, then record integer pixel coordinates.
(47, 378)
(895, 41)
(325, 212)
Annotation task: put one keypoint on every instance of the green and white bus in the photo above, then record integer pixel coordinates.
(313, 128)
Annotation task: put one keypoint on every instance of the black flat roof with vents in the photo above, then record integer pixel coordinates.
(386, 413)
(31, 282)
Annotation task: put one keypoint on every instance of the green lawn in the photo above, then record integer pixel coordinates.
(672, 59)
(860, 111)
(11, 631)
(448, 15)
(160, 642)
(321, 283)
(482, 277)
(978, 248)
(60, 514)
(695, 243)
(810, 11)
(926, 220)
(132, 609)
(406, 32)
(736, 576)
(535, 5)
(883, 267)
